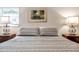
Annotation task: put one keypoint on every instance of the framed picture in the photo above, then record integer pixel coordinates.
(37, 15)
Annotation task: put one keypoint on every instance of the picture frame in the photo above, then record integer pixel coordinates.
(38, 15)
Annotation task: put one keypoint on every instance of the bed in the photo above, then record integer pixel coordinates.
(42, 39)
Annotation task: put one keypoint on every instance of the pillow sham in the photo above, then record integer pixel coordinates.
(48, 31)
(29, 31)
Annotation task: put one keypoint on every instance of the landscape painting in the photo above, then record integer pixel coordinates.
(38, 15)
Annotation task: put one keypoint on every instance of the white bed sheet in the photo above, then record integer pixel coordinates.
(39, 44)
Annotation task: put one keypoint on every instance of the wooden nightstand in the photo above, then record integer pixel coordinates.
(6, 37)
(74, 37)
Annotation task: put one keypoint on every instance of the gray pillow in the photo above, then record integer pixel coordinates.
(48, 31)
(29, 31)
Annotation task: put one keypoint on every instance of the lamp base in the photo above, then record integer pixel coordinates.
(6, 30)
(6, 33)
(72, 29)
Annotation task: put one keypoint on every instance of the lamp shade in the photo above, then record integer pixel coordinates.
(72, 20)
(4, 20)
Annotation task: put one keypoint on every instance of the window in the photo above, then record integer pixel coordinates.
(13, 13)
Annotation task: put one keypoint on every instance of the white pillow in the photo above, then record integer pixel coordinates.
(29, 31)
(48, 31)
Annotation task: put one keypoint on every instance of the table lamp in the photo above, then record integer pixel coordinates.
(72, 23)
(5, 21)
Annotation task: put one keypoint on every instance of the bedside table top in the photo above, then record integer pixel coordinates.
(70, 34)
(1, 34)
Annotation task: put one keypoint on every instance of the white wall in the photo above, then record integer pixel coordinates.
(53, 18)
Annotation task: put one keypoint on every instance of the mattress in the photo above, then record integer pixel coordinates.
(39, 44)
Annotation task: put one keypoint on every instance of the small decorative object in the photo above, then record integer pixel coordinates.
(37, 15)
(72, 23)
(5, 21)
